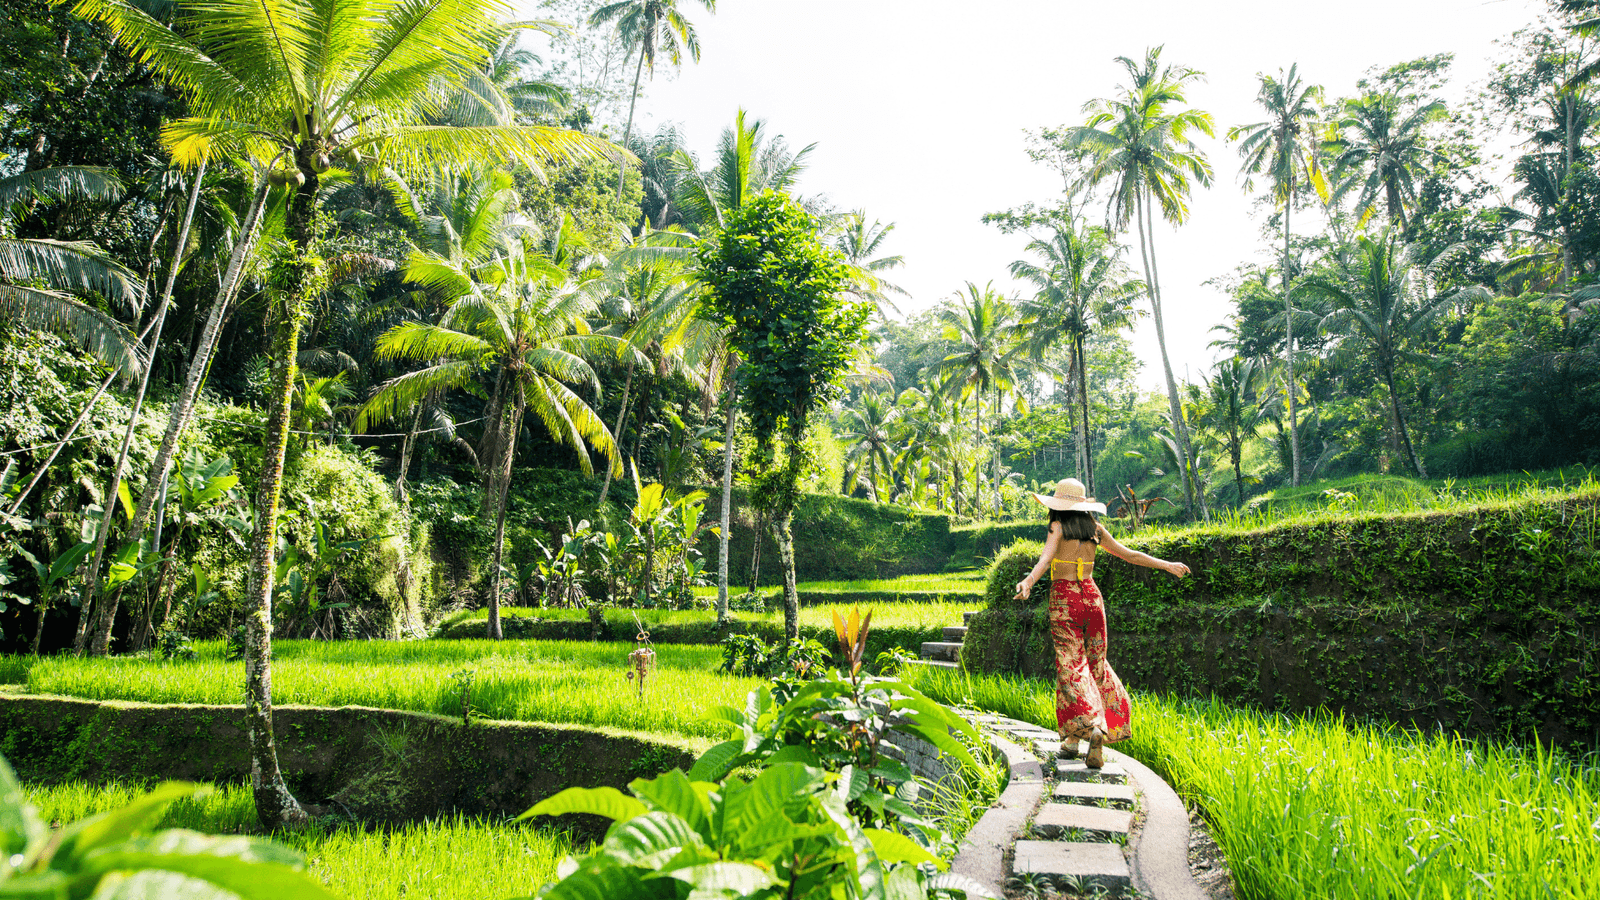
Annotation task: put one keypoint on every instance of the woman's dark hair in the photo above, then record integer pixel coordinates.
(1076, 525)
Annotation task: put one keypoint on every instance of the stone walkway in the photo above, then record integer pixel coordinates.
(1062, 822)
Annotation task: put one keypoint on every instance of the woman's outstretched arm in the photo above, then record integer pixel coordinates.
(1054, 540)
(1176, 569)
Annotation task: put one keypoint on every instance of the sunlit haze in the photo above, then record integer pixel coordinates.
(918, 112)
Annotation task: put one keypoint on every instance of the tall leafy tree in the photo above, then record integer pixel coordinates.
(778, 290)
(298, 86)
(1141, 147)
(1379, 306)
(987, 360)
(1081, 287)
(1286, 149)
(652, 26)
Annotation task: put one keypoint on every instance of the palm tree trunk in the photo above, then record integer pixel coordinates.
(622, 417)
(297, 275)
(136, 638)
(1147, 252)
(1087, 458)
(502, 488)
(783, 534)
(977, 444)
(627, 130)
(1400, 422)
(727, 505)
(407, 446)
(108, 615)
(183, 408)
(1288, 348)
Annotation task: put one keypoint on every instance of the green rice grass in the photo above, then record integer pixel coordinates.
(966, 582)
(1318, 806)
(559, 682)
(453, 858)
(929, 617)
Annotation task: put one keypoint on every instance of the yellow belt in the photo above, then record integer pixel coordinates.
(1080, 563)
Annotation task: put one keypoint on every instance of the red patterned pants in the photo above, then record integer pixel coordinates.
(1088, 694)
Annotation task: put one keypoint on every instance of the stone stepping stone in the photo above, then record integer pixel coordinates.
(1110, 796)
(1075, 770)
(1056, 819)
(942, 650)
(955, 632)
(936, 663)
(1091, 864)
(966, 617)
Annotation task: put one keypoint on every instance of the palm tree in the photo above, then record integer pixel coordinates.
(297, 86)
(1382, 150)
(523, 329)
(1083, 287)
(1380, 303)
(653, 26)
(987, 359)
(39, 277)
(1285, 148)
(1140, 145)
(860, 243)
(1230, 409)
(868, 436)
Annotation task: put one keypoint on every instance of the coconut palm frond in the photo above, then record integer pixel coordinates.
(97, 333)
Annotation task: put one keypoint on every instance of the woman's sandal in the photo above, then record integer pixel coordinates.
(1096, 757)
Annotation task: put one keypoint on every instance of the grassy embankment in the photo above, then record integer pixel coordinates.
(556, 682)
(1319, 806)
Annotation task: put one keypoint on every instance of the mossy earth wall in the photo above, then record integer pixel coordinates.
(1484, 622)
(375, 765)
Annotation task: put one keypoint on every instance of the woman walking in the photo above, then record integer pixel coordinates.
(1091, 703)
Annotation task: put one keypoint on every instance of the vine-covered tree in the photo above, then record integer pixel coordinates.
(779, 291)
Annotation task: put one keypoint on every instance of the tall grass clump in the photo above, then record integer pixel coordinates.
(557, 682)
(453, 858)
(1318, 806)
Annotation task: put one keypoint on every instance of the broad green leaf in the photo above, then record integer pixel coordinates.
(776, 830)
(892, 846)
(910, 698)
(126, 497)
(602, 801)
(649, 840)
(793, 753)
(112, 828)
(852, 781)
(868, 869)
(714, 764)
(741, 878)
(902, 884)
(19, 824)
(43, 886)
(600, 881)
(154, 884)
(776, 789)
(63, 565)
(950, 881)
(673, 792)
(252, 868)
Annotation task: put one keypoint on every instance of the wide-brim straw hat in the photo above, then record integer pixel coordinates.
(1071, 495)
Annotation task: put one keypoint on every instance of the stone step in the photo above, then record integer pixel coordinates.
(1082, 822)
(1093, 865)
(1086, 793)
(966, 617)
(955, 632)
(935, 663)
(1075, 770)
(945, 650)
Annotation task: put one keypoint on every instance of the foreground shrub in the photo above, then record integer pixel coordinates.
(117, 855)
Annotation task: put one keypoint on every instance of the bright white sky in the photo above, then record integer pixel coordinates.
(918, 109)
